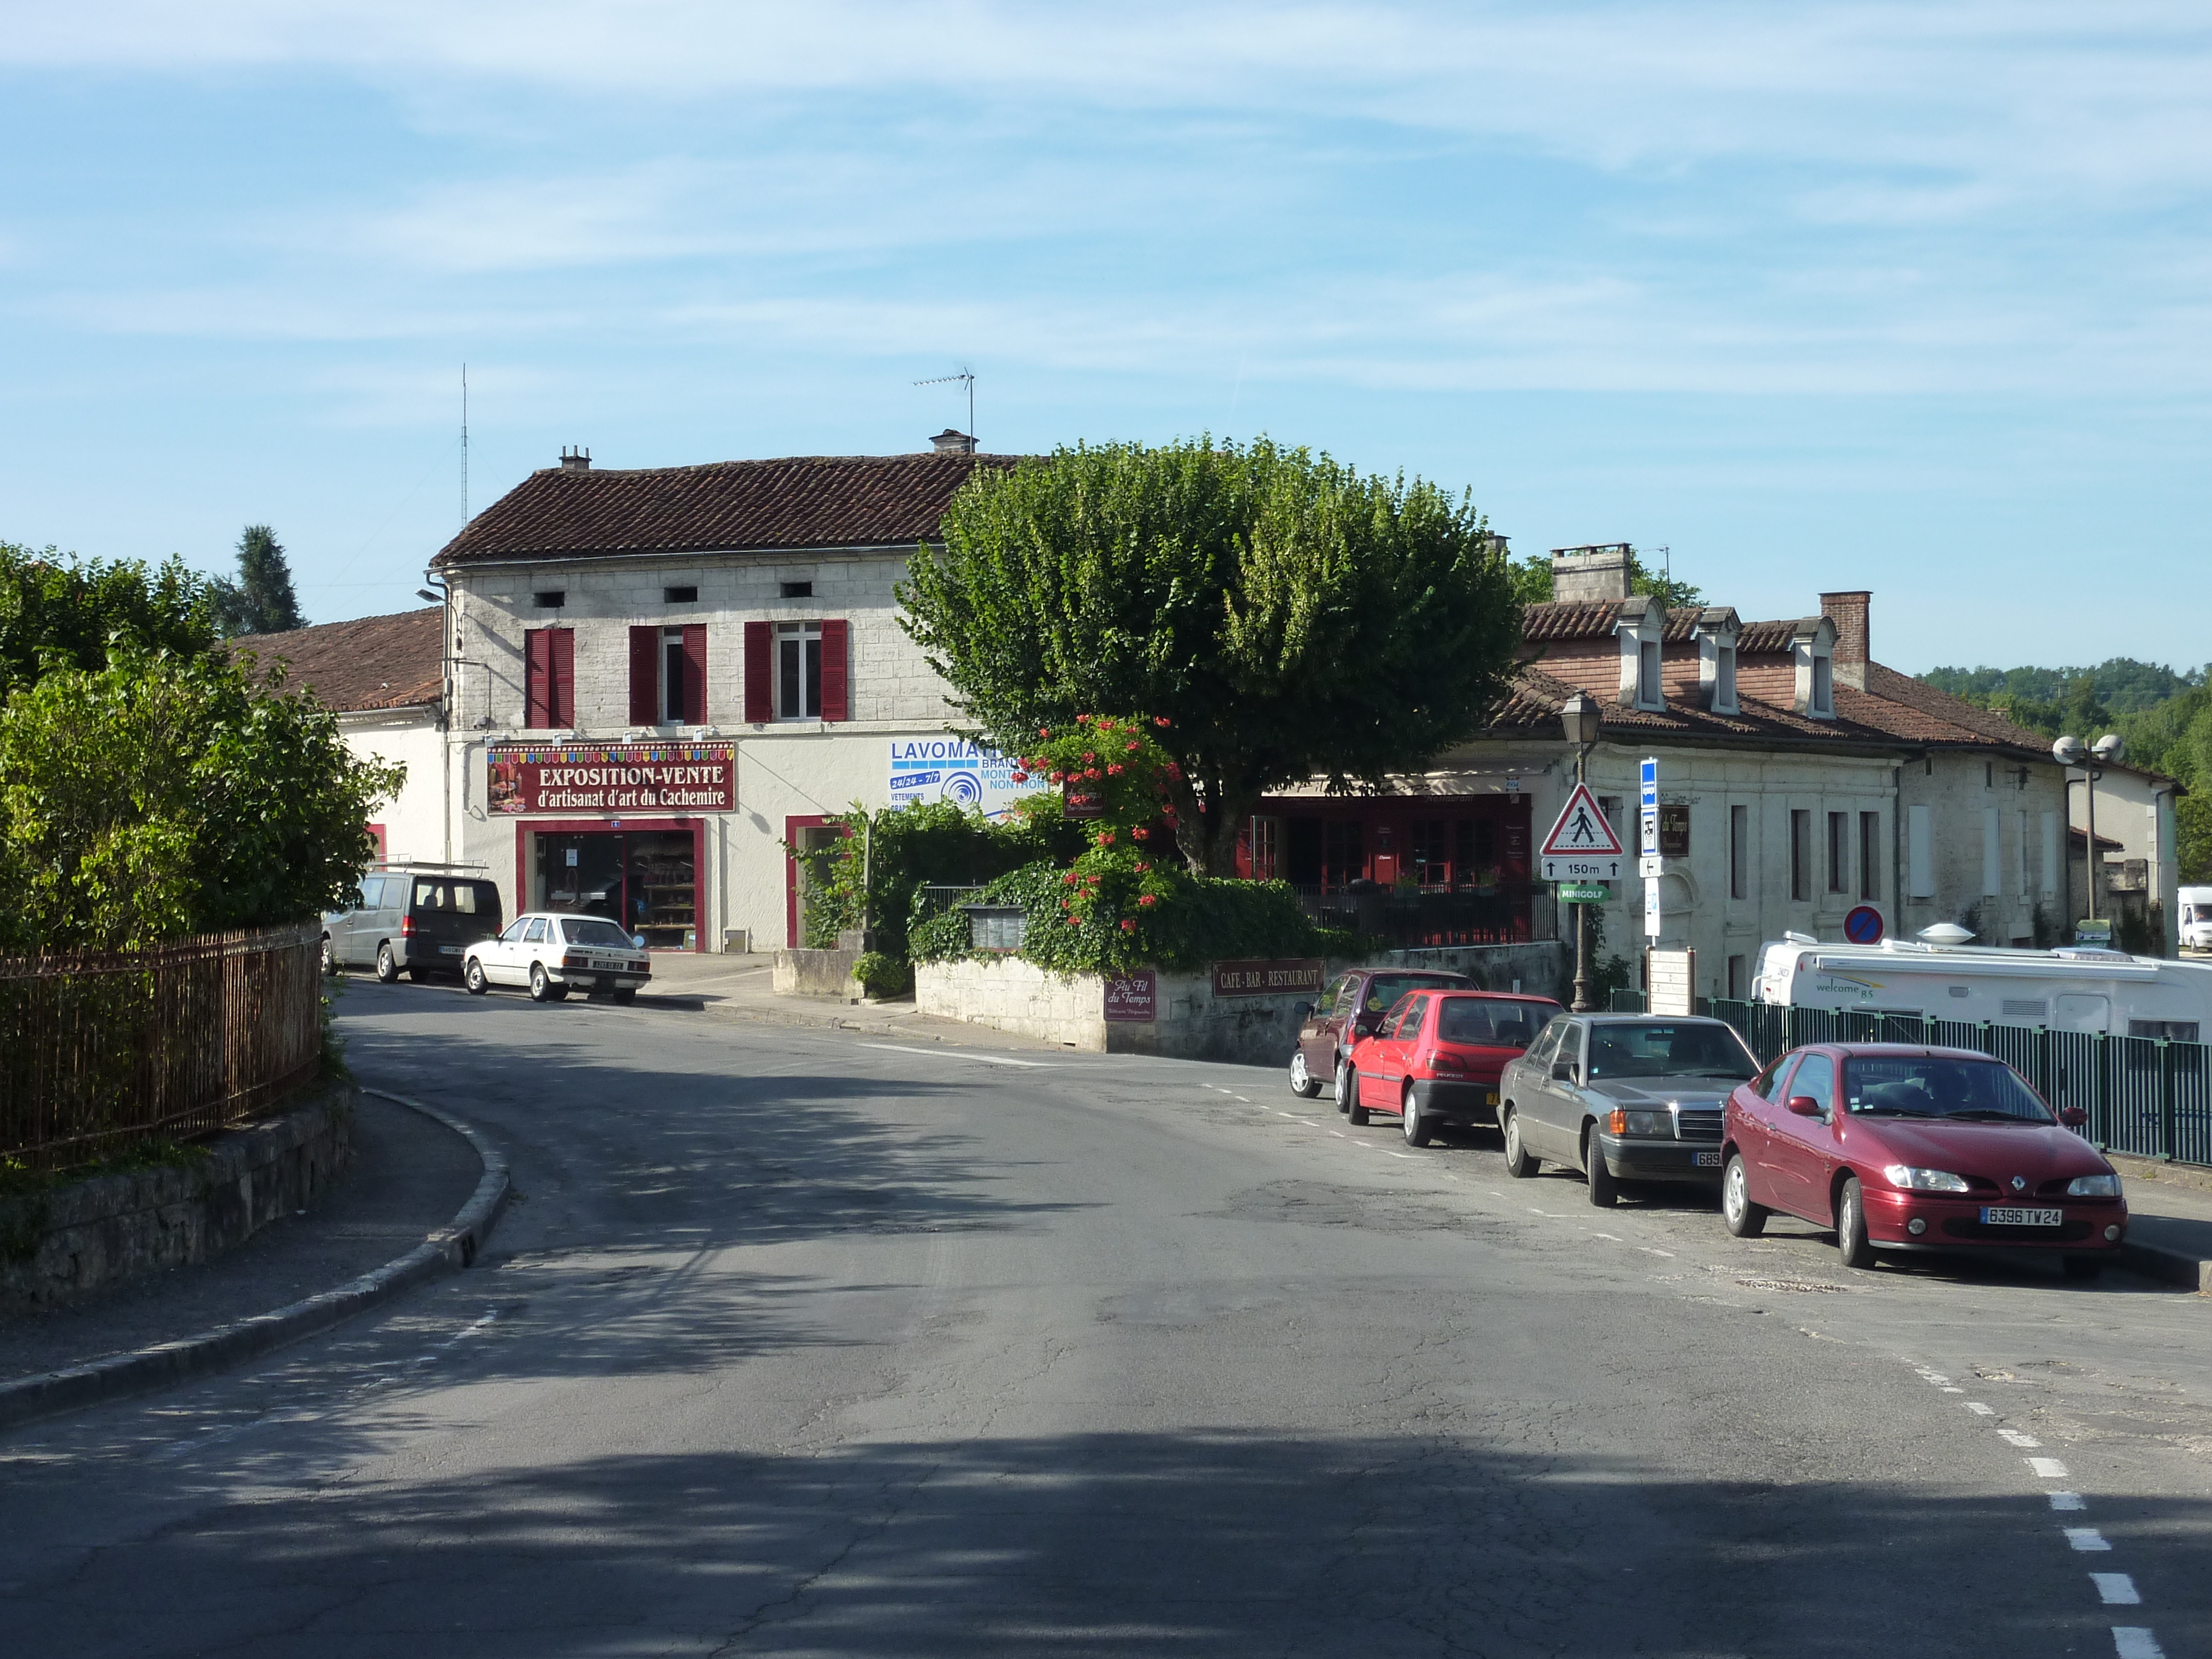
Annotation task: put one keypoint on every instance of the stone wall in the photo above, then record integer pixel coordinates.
(816, 974)
(64, 1244)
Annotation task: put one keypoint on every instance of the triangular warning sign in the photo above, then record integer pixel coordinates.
(1582, 830)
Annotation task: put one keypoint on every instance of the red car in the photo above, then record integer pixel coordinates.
(1903, 1148)
(1435, 1060)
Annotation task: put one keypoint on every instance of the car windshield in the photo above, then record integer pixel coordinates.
(1654, 1048)
(590, 931)
(1384, 989)
(1924, 1086)
(1497, 1024)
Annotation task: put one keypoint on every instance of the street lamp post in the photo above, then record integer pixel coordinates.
(1580, 718)
(2068, 752)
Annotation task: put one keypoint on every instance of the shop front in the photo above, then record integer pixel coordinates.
(618, 830)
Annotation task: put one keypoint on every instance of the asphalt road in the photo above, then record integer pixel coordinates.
(800, 1343)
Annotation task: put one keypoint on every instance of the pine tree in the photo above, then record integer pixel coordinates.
(261, 600)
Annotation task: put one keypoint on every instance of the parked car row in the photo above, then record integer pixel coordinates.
(1895, 1147)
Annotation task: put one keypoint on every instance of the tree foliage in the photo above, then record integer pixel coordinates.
(57, 610)
(261, 600)
(1292, 618)
(158, 797)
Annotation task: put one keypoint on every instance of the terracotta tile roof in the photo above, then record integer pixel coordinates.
(804, 502)
(1531, 708)
(371, 662)
(1916, 710)
(1764, 639)
(1591, 619)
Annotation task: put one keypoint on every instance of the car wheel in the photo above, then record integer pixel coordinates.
(329, 958)
(387, 966)
(1343, 1083)
(1850, 1225)
(1409, 1116)
(473, 977)
(623, 997)
(2084, 1266)
(1352, 1108)
(1518, 1163)
(1745, 1218)
(1604, 1190)
(541, 988)
(1302, 1083)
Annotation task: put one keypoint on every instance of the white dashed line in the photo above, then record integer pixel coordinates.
(1398, 1154)
(2134, 1642)
(1954, 1390)
(2067, 1500)
(2118, 1589)
(1980, 1410)
(1340, 1133)
(2014, 1437)
(959, 1053)
(2047, 1469)
(1293, 1116)
(1647, 1250)
(1594, 1234)
(2086, 1539)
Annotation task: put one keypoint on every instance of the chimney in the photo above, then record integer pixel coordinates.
(575, 460)
(949, 442)
(1598, 573)
(1849, 613)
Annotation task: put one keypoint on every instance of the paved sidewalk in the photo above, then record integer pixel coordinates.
(409, 1176)
(2169, 1221)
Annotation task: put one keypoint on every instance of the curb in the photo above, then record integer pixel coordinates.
(2172, 1267)
(454, 1246)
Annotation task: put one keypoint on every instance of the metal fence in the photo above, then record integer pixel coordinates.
(99, 1049)
(2145, 1095)
(934, 899)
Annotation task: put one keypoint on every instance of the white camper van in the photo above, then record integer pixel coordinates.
(2079, 989)
(2196, 904)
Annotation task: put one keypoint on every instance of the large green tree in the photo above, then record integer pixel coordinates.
(261, 600)
(57, 610)
(1288, 618)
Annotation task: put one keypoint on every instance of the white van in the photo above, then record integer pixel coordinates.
(2196, 918)
(2073, 988)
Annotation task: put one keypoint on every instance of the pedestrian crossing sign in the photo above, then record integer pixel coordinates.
(1582, 845)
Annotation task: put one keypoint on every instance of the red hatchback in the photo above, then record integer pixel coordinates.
(1435, 1060)
(1901, 1148)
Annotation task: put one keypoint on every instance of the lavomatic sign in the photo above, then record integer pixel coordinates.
(628, 777)
(1267, 978)
(952, 768)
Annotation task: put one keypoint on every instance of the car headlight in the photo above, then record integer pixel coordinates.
(1660, 1125)
(1923, 1181)
(2103, 1186)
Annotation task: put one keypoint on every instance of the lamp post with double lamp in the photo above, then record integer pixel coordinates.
(2068, 752)
(1579, 717)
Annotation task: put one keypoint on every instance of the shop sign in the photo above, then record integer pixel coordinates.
(628, 777)
(1300, 974)
(1081, 800)
(1134, 999)
(948, 768)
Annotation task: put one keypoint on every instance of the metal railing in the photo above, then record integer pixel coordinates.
(934, 899)
(99, 1049)
(2145, 1095)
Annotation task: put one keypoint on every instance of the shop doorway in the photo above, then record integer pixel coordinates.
(644, 880)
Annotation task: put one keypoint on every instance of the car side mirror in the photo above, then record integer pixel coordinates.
(638, 940)
(1804, 1106)
(2074, 1117)
(1563, 1071)
(1300, 1012)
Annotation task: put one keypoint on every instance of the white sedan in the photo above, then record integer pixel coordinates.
(556, 954)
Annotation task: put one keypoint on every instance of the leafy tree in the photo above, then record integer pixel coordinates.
(58, 611)
(1531, 583)
(261, 600)
(158, 797)
(1291, 618)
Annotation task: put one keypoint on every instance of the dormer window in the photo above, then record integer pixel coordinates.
(1638, 624)
(1824, 685)
(1812, 648)
(1716, 635)
(1724, 680)
(1647, 673)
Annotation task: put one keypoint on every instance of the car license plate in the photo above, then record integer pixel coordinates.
(1490, 1096)
(449, 950)
(1707, 1159)
(2013, 1215)
(612, 967)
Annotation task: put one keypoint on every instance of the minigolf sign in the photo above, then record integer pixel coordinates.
(1582, 845)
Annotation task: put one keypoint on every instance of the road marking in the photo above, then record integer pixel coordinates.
(2067, 1500)
(1647, 1250)
(1954, 1391)
(1594, 1234)
(2118, 1589)
(2085, 1539)
(1293, 1116)
(1980, 1410)
(959, 1053)
(2134, 1642)
(1398, 1154)
(2047, 1469)
(2014, 1437)
(1339, 1134)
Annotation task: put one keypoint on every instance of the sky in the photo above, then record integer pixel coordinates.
(1910, 298)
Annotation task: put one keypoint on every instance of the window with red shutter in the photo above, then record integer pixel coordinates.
(644, 677)
(834, 663)
(695, 674)
(759, 669)
(536, 680)
(560, 700)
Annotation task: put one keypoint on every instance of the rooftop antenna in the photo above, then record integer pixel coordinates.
(464, 446)
(969, 379)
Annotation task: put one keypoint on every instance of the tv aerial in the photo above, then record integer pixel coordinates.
(963, 377)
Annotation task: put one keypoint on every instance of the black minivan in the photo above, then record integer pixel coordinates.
(412, 919)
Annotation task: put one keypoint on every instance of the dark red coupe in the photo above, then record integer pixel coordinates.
(1902, 1148)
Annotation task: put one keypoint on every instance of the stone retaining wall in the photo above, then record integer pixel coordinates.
(65, 1242)
(816, 974)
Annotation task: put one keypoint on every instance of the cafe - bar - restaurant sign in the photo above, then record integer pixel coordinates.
(617, 777)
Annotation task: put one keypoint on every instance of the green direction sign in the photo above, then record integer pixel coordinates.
(1582, 892)
(2097, 932)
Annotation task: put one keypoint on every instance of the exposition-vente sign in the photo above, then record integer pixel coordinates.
(613, 778)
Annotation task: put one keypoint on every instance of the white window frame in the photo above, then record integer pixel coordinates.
(668, 690)
(798, 693)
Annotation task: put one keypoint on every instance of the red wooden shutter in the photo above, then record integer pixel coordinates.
(695, 673)
(561, 699)
(644, 677)
(537, 683)
(760, 673)
(833, 676)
